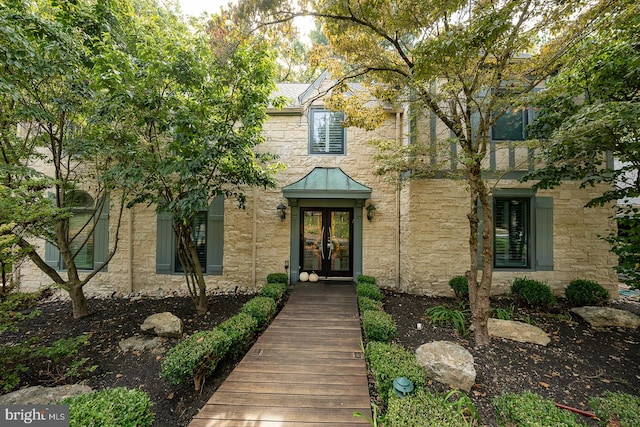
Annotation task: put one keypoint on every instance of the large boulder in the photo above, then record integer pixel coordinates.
(517, 331)
(39, 395)
(600, 317)
(448, 363)
(163, 325)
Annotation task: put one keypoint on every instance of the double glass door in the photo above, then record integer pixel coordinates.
(326, 241)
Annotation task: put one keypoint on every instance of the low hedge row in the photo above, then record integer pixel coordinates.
(199, 354)
(390, 361)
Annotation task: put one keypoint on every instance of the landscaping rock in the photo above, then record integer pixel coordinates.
(140, 343)
(448, 363)
(599, 317)
(163, 325)
(39, 395)
(517, 331)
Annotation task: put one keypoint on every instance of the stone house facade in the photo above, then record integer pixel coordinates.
(338, 219)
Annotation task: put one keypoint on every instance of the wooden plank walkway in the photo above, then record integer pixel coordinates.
(307, 369)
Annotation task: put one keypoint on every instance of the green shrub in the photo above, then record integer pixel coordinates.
(369, 290)
(61, 353)
(443, 315)
(278, 278)
(366, 303)
(390, 361)
(194, 357)
(422, 409)
(617, 407)
(366, 279)
(533, 292)
(531, 410)
(112, 407)
(378, 326)
(261, 308)
(586, 292)
(240, 329)
(273, 290)
(11, 306)
(460, 286)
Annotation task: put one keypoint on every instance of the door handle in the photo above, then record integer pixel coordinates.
(322, 243)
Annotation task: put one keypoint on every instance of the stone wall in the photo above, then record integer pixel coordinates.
(435, 239)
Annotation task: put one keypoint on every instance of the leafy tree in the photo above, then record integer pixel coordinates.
(194, 102)
(589, 109)
(46, 109)
(463, 61)
(293, 63)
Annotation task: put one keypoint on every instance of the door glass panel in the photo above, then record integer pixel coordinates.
(340, 241)
(312, 240)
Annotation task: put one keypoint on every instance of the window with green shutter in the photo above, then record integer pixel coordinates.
(523, 231)
(208, 234)
(88, 233)
(326, 134)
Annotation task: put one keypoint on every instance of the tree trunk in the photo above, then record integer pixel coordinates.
(78, 301)
(480, 291)
(188, 257)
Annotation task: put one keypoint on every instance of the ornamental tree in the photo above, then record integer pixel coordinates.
(51, 148)
(193, 100)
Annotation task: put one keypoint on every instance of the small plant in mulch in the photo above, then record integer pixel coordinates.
(533, 293)
(460, 287)
(582, 292)
(441, 315)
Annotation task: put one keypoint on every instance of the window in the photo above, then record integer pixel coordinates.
(88, 234)
(510, 126)
(208, 232)
(511, 232)
(523, 231)
(326, 134)
(199, 235)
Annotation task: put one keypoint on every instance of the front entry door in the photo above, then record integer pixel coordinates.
(326, 245)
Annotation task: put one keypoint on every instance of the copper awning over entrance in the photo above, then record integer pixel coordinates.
(327, 183)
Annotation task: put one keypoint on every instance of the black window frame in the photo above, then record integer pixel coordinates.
(312, 129)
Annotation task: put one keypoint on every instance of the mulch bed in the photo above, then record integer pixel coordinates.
(579, 363)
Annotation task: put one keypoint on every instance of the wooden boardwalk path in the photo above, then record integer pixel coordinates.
(307, 369)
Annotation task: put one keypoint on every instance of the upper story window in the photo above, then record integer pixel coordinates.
(511, 126)
(326, 134)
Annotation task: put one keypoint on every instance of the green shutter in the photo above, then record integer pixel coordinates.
(51, 255)
(215, 239)
(101, 236)
(51, 251)
(544, 233)
(164, 243)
